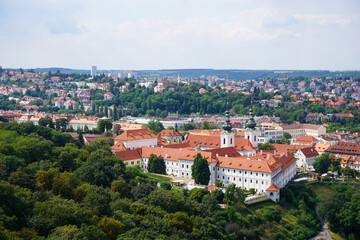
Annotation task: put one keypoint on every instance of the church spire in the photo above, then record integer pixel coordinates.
(251, 124)
(227, 127)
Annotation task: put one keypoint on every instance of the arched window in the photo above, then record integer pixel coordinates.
(254, 138)
(224, 140)
(231, 141)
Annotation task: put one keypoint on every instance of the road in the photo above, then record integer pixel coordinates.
(324, 233)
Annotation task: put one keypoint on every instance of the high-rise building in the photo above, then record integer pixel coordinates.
(93, 70)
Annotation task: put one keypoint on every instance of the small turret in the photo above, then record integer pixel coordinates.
(227, 127)
(251, 124)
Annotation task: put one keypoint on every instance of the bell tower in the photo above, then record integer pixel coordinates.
(227, 135)
(251, 132)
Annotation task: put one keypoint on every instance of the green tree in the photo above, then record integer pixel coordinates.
(349, 172)
(61, 124)
(22, 179)
(63, 184)
(104, 125)
(198, 194)
(101, 168)
(66, 162)
(57, 212)
(200, 171)
(265, 146)
(179, 220)
(117, 129)
(207, 125)
(120, 186)
(111, 227)
(285, 139)
(45, 179)
(67, 232)
(91, 233)
(81, 138)
(322, 163)
(234, 194)
(155, 127)
(46, 122)
(349, 215)
(156, 164)
(97, 200)
(15, 206)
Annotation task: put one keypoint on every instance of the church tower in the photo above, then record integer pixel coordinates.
(251, 132)
(227, 135)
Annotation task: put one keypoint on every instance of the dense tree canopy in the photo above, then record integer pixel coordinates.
(66, 190)
(156, 164)
(200, 170)
(322, 163)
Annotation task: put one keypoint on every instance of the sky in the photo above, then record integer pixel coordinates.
(175, 34)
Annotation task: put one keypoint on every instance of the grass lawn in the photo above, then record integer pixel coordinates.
(260, 204)
(335, 236)
(319, 188)
(158, 178)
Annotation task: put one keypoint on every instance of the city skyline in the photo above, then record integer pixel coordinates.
(136, 35)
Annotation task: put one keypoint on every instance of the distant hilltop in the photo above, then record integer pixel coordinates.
(233, 74)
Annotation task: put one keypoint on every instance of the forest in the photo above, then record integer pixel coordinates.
(54, 187)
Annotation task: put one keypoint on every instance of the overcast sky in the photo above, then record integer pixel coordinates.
(163, 34)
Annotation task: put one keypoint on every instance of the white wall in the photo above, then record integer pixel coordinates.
(140, 143)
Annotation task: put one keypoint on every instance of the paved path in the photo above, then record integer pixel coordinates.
(324, 233)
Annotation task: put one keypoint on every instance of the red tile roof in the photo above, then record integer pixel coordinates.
(135, 134)
(309, 152)
(176, 154)
(273, 188)
(306, 139)
(260, 163)
(169, 133)
(203, 140)
(128, 154)
(211, 187)
(119, 146)
(214, 142)
(345, 148)
(161, 141)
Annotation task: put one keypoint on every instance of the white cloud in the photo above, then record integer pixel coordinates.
(181, 33)
(326, 19)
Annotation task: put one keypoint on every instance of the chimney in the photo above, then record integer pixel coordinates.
(226, 155)
(286, 154)
(261, 152)
(180, 149)
(162, 146)
(274, 152)
(217, 155)
(267, 156)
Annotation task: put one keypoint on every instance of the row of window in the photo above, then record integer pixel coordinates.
(245, 172)
(132, 163)
(239, 179)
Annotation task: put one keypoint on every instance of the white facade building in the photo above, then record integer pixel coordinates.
(137, 138)
(305, 158)
(258, 172)
(270, 135)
